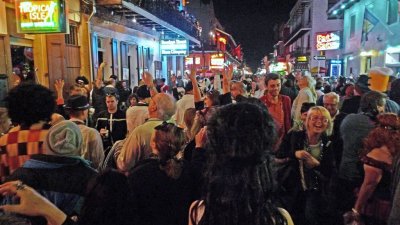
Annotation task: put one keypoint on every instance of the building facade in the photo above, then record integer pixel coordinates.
(311, 38)
(125, 34)
(371, 34)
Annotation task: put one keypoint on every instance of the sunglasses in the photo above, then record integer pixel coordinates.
(167, 127)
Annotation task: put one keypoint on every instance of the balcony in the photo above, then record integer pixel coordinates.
(297, 32)
(162, 10)
(156, 15)
(300, 51)
(298, 8)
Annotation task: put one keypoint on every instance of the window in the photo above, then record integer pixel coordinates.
(368, 62)
(309, 15)
(352, 25)
(72, 37)
(391, 11)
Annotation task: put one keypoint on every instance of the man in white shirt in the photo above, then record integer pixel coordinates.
(138, 114)
(186, 102)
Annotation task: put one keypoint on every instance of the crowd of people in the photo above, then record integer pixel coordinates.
(261, 150)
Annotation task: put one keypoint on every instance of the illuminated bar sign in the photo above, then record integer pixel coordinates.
(328, 41)
(174, 47)
(40, 16)
(217, 61)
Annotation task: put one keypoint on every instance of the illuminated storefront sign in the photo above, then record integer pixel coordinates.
(174, 47)
(40, 16)
(217, 61)
(277, 67)
(188, 61)
(302, 59)
(328, 41)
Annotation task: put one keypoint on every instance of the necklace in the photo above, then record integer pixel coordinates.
(309, 148)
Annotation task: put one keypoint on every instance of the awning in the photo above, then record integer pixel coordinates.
(297, 35)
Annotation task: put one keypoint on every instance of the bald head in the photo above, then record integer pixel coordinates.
(162, 106)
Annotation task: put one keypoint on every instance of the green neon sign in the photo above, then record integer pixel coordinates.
(40, 16)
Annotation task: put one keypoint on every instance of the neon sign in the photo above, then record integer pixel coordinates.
(188, 61)
(223, 40)
(40, 16)
(328, 41)
(302, 58)
(217, 61)
(277, 67)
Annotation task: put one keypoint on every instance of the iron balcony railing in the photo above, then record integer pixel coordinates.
(164, 11)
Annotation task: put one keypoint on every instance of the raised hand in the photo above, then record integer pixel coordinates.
(148, 79)
(59, 85)
(102, 65)
(31, 203)
(192, 75)
(201, 138)
(228, 73)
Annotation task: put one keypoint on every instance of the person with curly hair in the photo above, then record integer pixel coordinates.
(238, 182)
(30, 107)
(381, 147)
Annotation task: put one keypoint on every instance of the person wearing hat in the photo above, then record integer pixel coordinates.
(61, 164)
(138, 114)
(351, 105)
(92, 148)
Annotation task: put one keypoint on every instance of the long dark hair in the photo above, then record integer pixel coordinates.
(238, 182)
(169, 140)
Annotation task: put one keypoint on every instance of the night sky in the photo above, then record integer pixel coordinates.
(251, 24)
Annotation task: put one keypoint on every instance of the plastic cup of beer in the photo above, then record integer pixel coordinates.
(379, 78)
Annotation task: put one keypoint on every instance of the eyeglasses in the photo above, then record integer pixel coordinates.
(112, 94)
(322, 119)
(167, 127)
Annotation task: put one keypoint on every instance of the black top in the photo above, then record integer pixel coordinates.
(118, 130)
(351, 105)
(159, 199)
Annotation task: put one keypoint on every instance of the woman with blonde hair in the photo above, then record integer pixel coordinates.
(311, 159)
(307, 93)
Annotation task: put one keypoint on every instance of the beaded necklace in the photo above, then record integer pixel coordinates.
(308, 148)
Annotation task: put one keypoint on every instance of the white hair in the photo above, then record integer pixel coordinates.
(332, 95)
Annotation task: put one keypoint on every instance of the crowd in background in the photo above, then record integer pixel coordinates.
(295, 149)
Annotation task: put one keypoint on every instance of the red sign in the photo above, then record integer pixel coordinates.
(328, 41)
